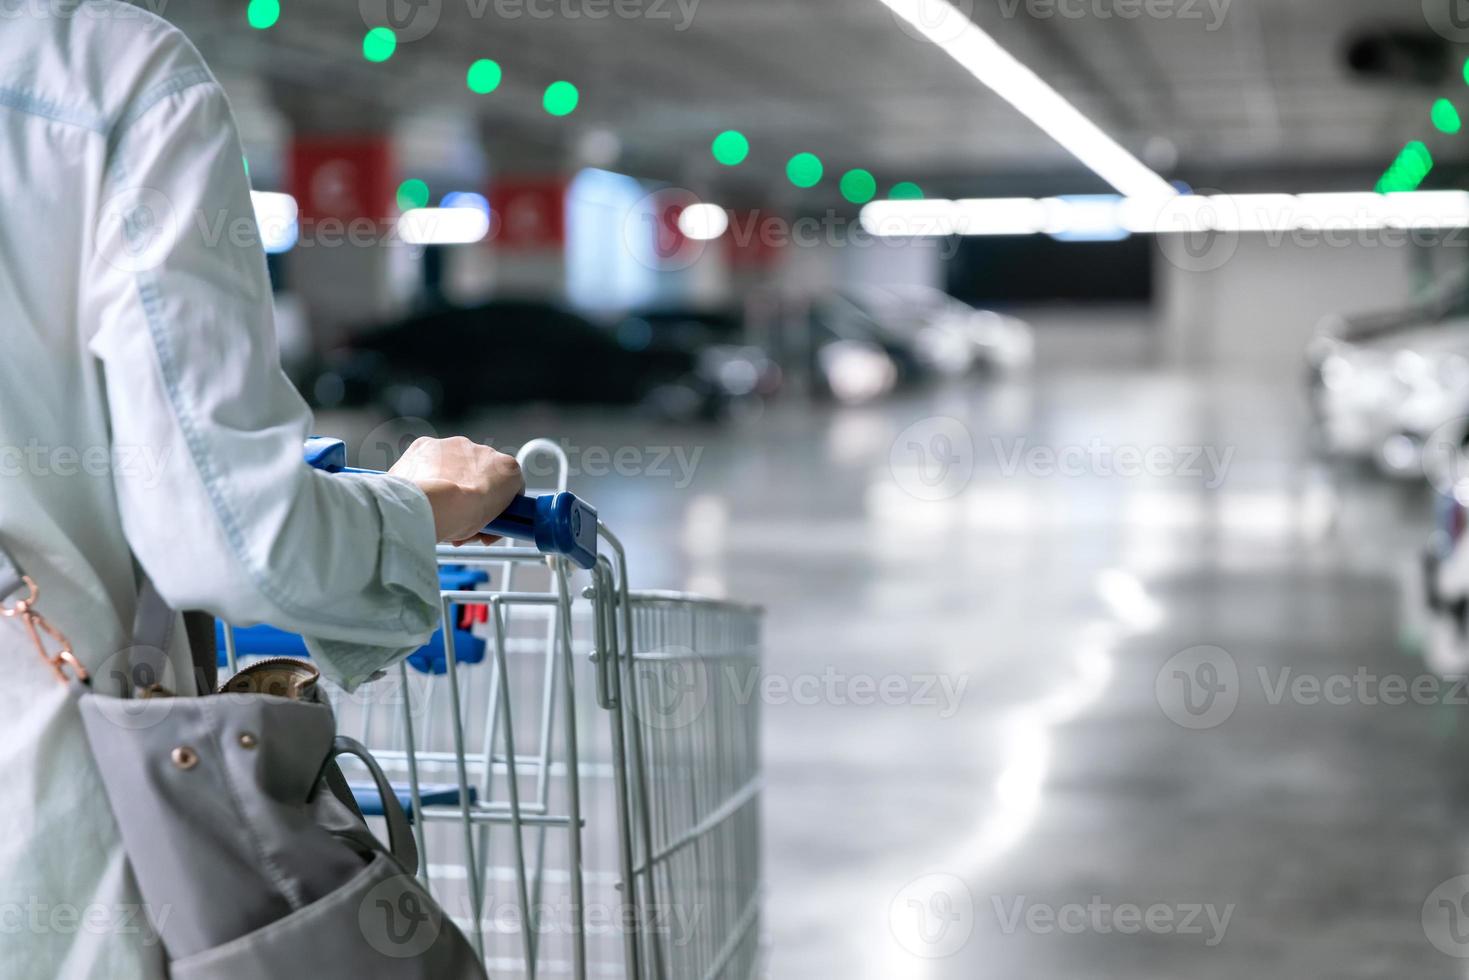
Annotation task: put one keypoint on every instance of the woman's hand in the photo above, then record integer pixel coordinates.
(467, 485)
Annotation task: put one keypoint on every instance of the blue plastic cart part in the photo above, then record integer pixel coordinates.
(370, 801)
(557, 523)
(267, 641)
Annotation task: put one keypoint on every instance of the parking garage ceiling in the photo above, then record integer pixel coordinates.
(1239, 93)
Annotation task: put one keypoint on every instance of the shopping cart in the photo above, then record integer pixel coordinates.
(580, 760)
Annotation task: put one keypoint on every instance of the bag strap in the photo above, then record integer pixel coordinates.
(401, 844)
(154, 622)
(153, 625)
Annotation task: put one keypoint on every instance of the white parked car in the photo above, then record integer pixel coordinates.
(952, 335)
(1381, 386)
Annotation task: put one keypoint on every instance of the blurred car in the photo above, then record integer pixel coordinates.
(716, 337)
(952, 335)
(1382, 385)
(854, 357)
(449, 362)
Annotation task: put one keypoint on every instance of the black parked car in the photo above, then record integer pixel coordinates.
(448, 362)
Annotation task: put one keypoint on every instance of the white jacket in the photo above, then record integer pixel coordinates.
(144, 415)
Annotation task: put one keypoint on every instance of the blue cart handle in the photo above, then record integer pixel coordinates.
(558, 523)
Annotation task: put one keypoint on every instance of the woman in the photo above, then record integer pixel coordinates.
(146, 429)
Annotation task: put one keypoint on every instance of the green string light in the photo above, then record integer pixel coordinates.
(412, 193)
(905, 190)
(484, 76)
(560, 98)
(263, 14)
(858, 186)
(379, 44)
(730, 147)
(1408, 171)
(804, 169)
(1445, 117)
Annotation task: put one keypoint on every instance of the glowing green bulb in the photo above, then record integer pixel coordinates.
(906, 191)
(412, 193)
(484, 76)
(379, 44)
(560, 98)
(730, 147)
(1446, 117)
(804, 169)
(858, 186)
(262, 14)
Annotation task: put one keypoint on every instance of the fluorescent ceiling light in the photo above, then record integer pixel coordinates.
(999, 216)
(444, 226)
(961, 39)
(1095, 216)
(277, 216)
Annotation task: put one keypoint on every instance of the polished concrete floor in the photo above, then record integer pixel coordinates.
(1040, 708)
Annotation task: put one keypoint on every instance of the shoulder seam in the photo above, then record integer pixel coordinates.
(182, 82)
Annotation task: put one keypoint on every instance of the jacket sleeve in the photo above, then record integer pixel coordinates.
(219, 509)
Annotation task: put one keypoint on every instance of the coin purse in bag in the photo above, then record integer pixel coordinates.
(236, 819)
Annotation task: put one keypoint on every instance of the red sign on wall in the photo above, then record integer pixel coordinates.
(343, 178)
(529, 213)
